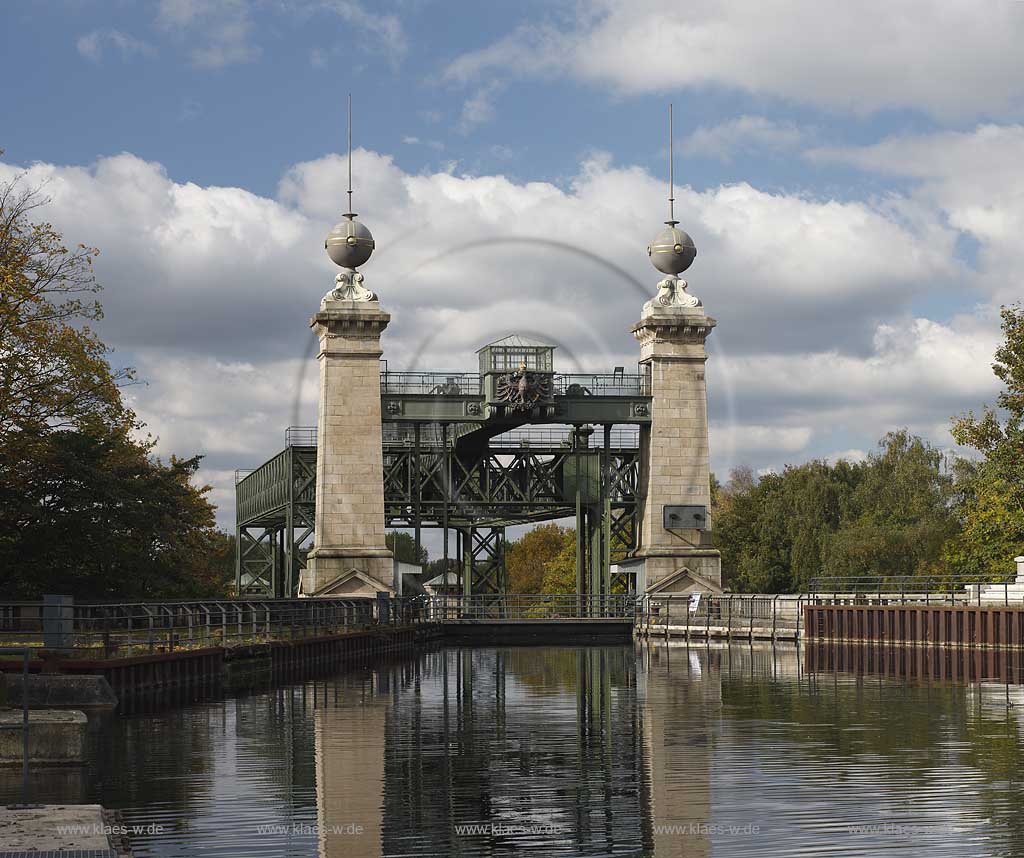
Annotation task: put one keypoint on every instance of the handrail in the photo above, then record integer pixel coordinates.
(25, 655)
(109, 629)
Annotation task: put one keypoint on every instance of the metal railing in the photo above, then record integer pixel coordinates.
(26, 655)
(430, 383)
(601, 384)
(469, 384)
(431, 435)
(122, 629)
(946, 589)
(530, 607)
(622, 437)
(300, 436)
(725, 615)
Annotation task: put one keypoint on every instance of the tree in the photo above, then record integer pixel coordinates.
(901, 513)
(1002, 443)
(527, 557)
(403, 546)
(889, 515)
(84, 507)
(560, 570)
(105, 520)
(54, 372)
(993, 527)
(992, 508)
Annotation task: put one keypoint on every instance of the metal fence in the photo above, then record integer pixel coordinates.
(948, 590)
(469, 384)
(529, 607)
(727, 615)
(601, 384)
(903, 583)
(121, 629)
(430, 383)
(26, 655)
(621, 437)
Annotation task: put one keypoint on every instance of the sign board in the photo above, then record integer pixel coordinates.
(686, 517)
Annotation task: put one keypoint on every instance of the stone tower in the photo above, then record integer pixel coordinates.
(349, 555)
(674, 459)
(675, 477)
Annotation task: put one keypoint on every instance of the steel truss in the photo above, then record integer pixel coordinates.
(274, 510)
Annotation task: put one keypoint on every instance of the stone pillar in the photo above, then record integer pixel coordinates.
(349, 553)
(674, 467)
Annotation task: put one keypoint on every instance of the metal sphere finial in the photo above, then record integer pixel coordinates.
(349, 244)
(672, 250)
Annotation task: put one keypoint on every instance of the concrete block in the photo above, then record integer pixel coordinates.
(60, 691)
(54, 736)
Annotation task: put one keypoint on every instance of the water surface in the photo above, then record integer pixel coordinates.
(625, 750)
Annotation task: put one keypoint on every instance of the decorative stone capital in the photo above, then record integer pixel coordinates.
(672, 294)
(348, 287)
(350, 328)
(673, 332)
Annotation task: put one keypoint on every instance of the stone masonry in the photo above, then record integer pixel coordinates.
(675, 465)
(349, 471)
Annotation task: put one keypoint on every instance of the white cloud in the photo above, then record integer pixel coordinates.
(209, 290)
(948, 58)
(973, 178)
(478, 109)
(95, 44)
(413, 140)
(218, 32)
(852, 455)
(733, 441)
(386, 29)
(742, 134)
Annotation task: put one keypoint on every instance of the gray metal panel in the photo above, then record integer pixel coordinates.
(683, 517)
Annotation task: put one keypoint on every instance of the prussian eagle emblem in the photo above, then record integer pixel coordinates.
(521, 390)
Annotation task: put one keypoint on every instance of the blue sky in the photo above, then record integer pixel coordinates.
(850, 175)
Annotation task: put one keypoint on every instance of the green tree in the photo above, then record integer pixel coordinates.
(887, 516)
(403, 546)
(1002, 441)
(103, 519)
(560, 571)
(84, 507)
(54, 372)
(993, 527)
(901, 513)
(992, 507)
(527, 558)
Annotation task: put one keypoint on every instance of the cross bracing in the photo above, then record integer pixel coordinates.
(462, 454)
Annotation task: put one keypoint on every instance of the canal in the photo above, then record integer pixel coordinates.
(639, 750)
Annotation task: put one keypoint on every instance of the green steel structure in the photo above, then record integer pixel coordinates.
(473, 454)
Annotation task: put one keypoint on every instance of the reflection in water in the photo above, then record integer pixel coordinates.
(654, 750)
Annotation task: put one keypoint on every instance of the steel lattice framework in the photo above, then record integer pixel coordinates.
(468, 454)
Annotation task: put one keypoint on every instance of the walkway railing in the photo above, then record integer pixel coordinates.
(530, 607)
(729, 615)
(956, 588)
(122, 629)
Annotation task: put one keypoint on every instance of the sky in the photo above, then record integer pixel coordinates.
(850, 174)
